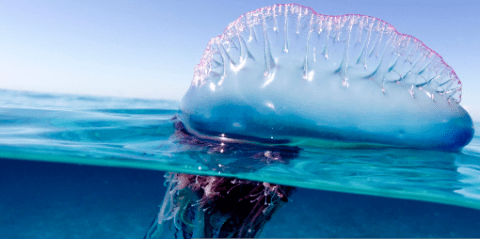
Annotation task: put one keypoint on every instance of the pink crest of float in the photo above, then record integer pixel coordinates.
(430, 73)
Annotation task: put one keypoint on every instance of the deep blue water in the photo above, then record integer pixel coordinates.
(52, 200)
(91, 167)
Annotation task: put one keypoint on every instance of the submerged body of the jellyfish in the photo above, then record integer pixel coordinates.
(283, 74)
(217, 207)
(202, 206)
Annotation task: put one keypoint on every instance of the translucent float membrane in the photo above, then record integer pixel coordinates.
(285, 74)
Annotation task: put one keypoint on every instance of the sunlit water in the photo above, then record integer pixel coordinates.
(134, 133)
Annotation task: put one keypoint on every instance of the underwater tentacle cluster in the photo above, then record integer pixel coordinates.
(227, 207)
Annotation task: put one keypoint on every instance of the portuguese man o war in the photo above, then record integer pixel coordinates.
(284, 76)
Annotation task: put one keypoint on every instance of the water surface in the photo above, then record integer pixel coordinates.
(134, 133)
(137, 133)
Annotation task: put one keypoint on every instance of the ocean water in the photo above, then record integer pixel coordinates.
(92, 167)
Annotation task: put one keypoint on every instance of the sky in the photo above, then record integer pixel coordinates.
(148, 49)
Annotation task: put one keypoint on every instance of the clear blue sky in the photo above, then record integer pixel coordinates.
(148, 49)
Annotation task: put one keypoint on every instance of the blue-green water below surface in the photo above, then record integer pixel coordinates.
(416, 187)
